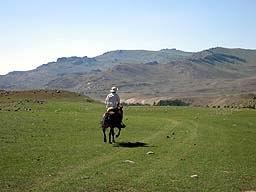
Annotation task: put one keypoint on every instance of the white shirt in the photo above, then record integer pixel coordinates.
(112, 100)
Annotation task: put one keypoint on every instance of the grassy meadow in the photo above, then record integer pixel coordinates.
(53, 142)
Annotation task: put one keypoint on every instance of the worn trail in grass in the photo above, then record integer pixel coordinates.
(58, 146)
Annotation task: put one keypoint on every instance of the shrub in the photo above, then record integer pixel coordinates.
(175, 102)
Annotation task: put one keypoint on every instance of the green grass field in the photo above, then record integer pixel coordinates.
(57, 145)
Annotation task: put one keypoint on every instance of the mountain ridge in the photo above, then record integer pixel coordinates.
(165, 72)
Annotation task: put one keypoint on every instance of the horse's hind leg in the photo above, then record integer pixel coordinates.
(119, 130)
(111, 135)
(104, 134)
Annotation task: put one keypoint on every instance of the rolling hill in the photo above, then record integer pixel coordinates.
(145, 74)
(40, 76)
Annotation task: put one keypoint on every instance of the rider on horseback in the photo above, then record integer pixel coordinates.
(113, 105)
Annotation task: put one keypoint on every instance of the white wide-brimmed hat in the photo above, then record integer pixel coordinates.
(113, 89)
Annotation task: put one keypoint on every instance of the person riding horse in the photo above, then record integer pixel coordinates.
(113, 106)
(113, 117)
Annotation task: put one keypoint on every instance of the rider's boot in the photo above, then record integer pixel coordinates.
(123, 125)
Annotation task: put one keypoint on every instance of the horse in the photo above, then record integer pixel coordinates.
(112, 119)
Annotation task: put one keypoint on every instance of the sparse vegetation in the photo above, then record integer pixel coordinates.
(135, 104)
(175, 102)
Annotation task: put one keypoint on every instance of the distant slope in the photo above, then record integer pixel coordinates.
(142, 56)
(211, 72)
(37, 78)
(43, 95)
(241, 61)
(140, 73)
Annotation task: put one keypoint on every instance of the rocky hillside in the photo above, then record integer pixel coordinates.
(145, 74)
(41, 76)
(216, 71)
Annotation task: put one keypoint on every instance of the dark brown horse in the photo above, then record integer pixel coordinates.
(112, 119)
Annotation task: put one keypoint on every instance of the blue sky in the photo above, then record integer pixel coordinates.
(34, 32)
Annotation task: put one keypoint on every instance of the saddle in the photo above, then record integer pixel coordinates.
(114, 117)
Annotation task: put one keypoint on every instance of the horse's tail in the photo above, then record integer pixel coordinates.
(103, 121)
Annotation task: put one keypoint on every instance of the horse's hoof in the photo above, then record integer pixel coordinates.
(110, 142)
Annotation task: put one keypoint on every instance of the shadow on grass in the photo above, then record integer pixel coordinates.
(131, 144)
